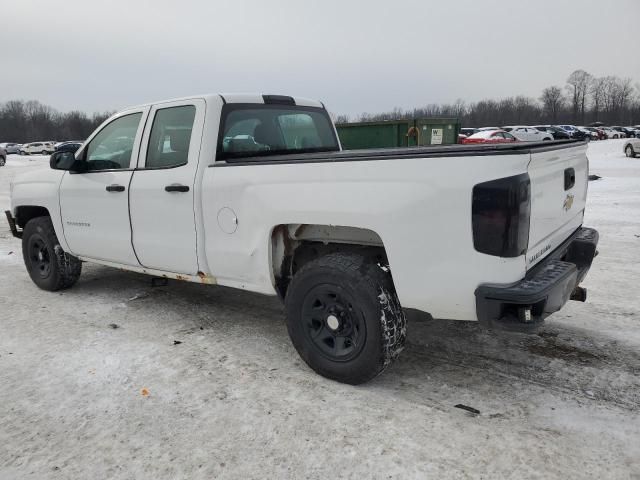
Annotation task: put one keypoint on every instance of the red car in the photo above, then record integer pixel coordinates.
(490, 136)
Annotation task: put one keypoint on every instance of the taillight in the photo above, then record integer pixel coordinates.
(500, 216)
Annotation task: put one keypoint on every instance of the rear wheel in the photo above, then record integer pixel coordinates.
(629, 152)
(344, 317)
(49, 267)
(3, 160)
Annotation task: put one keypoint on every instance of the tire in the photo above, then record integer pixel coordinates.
(43, 152)
(49, 267)
(629, 152)
(3, 161)
(346, 294)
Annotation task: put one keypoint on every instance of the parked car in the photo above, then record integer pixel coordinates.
(588, 134)
(630, 131)
(556, 132)
(37, 148)
(490, 136)
(10, 148)
(610, 132)
(570, 129)
(70, 146)
(632, 147)
(528, 134)
(624, 133)
(267, 202)
(633, 132)
(3, 157)
(599, 134)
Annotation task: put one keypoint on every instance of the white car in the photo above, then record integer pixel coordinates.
(528, 134)
(37, 148)
(611, 133)
(10, 147)
(254, 192)
(632, 147)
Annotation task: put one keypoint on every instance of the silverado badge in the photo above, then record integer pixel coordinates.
(568, 202)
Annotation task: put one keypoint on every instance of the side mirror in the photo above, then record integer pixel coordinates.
(62, 160)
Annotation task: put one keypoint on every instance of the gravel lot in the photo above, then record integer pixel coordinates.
(81, 399)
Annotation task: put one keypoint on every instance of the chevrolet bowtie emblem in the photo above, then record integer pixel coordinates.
(568, 203)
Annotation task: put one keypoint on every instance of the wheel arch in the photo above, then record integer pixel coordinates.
(293, 245)
(24, 213)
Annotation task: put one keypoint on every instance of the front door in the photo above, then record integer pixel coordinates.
(164, 187)
(95, 204)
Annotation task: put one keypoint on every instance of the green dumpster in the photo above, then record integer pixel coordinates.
(398, 133)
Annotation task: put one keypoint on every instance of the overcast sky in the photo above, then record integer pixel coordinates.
(356, 56)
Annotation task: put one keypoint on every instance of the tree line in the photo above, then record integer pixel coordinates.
(30, 121)
(583, 99)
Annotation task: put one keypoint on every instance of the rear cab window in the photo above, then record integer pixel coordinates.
(258, 131)
(170, 137)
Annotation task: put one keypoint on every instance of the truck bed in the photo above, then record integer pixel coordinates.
(409, 152)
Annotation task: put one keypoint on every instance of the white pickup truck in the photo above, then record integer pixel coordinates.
(254, 192)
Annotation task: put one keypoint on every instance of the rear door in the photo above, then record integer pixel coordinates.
(558, 196)
(163, 188)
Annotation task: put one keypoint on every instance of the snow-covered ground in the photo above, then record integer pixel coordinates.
(233, 400)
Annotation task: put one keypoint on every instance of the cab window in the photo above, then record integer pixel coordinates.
(264, 130)
(112, 147)
(170, 137)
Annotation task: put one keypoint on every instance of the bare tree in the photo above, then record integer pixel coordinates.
(608, 99)
(598, 86)
(552, 100)
(578, 85)
(32, 121)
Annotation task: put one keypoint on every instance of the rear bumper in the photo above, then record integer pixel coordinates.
(545, 288)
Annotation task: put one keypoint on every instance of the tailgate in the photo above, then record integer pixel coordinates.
(559, 176)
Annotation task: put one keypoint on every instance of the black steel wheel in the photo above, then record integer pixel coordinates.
(39, 256)
(344, 317)
(49, 267)
(331, 322)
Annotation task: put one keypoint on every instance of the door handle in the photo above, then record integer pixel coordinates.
(115, 188)
(176, 188)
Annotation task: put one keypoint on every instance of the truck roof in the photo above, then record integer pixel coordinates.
(237, 98)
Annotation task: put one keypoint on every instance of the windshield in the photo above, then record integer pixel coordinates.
(263, 130)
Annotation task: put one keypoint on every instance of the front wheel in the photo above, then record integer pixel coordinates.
(2, 161)
(49, 267)
(344, 317)
(629, 152)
